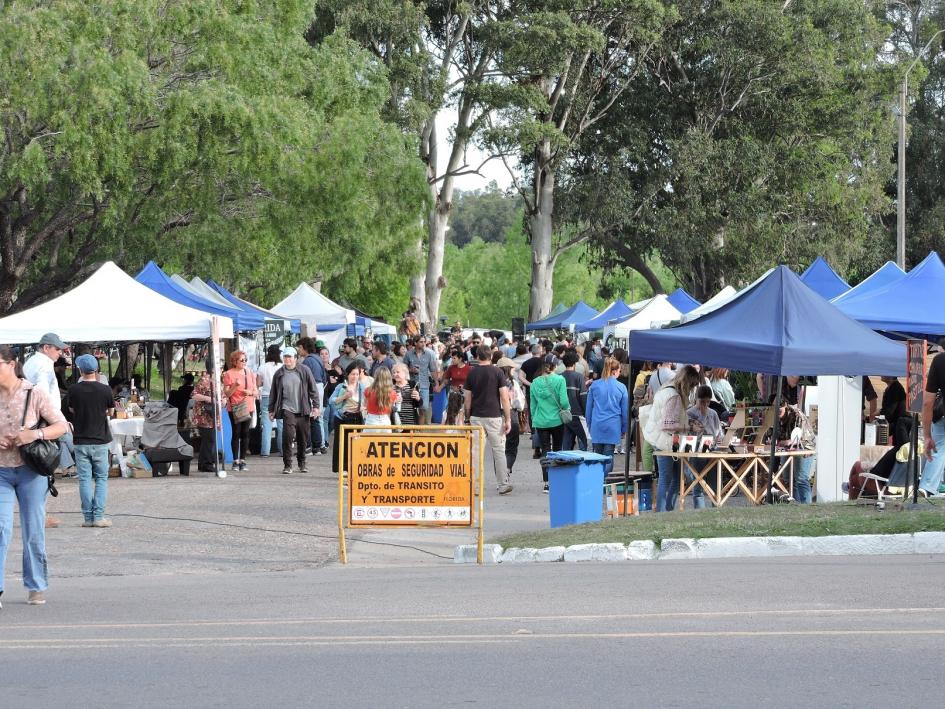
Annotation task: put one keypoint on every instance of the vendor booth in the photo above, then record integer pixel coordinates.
(909, 305)
(577, 313)
(111, 306)
(618, 310)
(328, 319)
(154, 278)
(657, 311)
(682, 301)
(781, 327)
(823, 280)
(885, 275)
(713, 303)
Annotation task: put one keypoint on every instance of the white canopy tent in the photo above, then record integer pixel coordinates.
(111, 306)
(716, 301)
(311, 307)
(206, 292)
(657, 310)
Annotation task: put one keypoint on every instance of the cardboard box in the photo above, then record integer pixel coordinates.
(140, 473)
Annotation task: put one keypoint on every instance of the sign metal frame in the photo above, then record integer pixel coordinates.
(471, 433)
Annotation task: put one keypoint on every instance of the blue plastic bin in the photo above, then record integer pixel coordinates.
(575, 487)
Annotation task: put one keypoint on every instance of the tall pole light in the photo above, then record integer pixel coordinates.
(901, 172)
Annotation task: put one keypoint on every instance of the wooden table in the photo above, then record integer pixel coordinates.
(742, 470)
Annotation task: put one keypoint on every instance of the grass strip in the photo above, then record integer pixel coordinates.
(778, 520)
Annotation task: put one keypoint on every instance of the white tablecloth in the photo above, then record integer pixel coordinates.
(121, 428)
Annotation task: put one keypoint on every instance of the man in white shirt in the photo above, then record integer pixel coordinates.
(38, 369)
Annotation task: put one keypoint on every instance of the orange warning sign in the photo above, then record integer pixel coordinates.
(410, 479)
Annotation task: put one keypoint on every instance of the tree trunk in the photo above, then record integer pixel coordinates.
(540, 227)
(418, 297)
(434, 284)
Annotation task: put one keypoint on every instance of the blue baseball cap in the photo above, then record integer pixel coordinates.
(86, 363)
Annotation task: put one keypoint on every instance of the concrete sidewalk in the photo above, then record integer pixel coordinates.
(259, 520)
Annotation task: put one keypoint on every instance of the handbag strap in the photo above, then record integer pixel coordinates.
(554, 398)
(26, 406)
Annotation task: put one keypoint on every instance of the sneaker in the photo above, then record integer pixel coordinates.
(545, 489)
(87, 523)
(242, 465)
(536, 454)
(505, 489)
(102, 523)
(317, 451)
(303, 469)
(286, 471)
(235, 468)
(36, 598)
(324, 450)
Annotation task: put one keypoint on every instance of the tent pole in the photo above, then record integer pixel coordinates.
(914, 459)
(626, 457)
(772, 459)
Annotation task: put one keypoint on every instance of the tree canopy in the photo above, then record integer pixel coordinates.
(205, 134)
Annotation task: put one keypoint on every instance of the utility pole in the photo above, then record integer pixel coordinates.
(901, 172)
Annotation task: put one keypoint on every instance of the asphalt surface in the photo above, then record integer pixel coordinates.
(788, 633)
(228, 593)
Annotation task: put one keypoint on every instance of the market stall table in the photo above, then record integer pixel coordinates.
(133, 427)
(733, 472)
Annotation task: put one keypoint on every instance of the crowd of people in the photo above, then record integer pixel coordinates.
(559, 393)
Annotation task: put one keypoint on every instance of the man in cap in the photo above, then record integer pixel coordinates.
(293, 398)
(89, 400)
(39, 370)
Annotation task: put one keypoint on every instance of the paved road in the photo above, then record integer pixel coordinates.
(836, 632)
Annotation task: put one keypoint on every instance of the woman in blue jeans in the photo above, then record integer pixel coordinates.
(22, 407)
(667, 417)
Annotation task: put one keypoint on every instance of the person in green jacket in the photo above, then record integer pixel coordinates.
(549, 395)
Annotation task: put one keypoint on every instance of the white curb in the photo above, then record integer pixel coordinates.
(714, 548)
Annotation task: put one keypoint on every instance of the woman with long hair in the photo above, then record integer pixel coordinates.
(26, 415)
(668, 417)
(346, 401)
(240, 392)
(548, 398)
(379, 398)
(606, 411)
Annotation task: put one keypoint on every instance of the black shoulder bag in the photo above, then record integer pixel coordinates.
(938, 408)
(40, 455)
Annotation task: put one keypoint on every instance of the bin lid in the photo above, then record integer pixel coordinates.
(573, 457)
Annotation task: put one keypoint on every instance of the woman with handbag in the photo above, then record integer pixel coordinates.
(28, 419)
(240, 392)
(550, 409)
(347, 400)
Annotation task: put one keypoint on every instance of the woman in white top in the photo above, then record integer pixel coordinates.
(264, 381)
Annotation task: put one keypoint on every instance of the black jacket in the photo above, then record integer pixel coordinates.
(309, 402)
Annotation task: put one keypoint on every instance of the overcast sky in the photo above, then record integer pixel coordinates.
(493, 170)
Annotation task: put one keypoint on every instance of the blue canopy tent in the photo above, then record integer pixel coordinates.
(154, 278)
(910, 305)
(682, 301)
(294, 323)
(823, 280)
(618, 310)
(577, 313)
(886, 274)
(779, 326)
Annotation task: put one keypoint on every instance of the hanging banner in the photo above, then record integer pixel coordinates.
(409, 479)
(916, 367)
